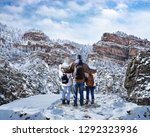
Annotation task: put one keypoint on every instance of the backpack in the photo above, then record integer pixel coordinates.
(64, 79)
(79, 72)
(90, 80)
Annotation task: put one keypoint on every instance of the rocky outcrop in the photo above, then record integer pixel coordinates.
(52, 55)
(120, 46)
(108, 37)
(52, 58)
(137, 80)
(124, 39)
(55, 51)
(33, 41)
(35, 36)
(111, 50)
(13, 84)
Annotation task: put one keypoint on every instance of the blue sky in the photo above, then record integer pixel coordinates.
(82, 21)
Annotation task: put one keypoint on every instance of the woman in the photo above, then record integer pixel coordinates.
(66, 82)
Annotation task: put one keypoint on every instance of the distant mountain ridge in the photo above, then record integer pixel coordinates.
(120, 46)
(15, 43)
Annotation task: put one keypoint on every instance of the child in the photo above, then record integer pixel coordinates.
(90, 86)
(90, 83)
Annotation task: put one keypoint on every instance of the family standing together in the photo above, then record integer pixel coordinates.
(77, 76)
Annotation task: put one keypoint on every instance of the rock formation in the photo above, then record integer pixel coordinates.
(35, 36)
(13, 84)
(137, 80)
(120, 46)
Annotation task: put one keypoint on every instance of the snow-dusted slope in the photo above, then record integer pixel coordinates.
(43, 77)
(9, 36)
(46, 107)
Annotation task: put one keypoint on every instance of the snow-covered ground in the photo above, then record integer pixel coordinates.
(46, 107)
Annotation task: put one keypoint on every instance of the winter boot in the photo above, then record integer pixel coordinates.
(75, 105)
(63, 101)
(87, 101)
(92, 102)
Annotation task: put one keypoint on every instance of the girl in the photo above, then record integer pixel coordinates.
(90, 83)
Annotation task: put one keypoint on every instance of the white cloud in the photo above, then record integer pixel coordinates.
(14, 21)
(14, 9)
(52, 12)
(82, 33)
(29, 1)
(110, 14)
(64, 23)
(122, 7)
(54, 29)
(6, 17)
(52, 25)
(97, 2)
(64, 30)
(138, 24)
(74, 6)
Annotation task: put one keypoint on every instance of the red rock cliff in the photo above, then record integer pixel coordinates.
(120, 46)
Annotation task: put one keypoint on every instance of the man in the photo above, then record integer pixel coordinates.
(78, 69)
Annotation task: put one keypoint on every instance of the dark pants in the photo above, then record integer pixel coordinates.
(78, 87)
(88, 90)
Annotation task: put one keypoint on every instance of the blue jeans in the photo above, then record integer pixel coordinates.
(66, 92)
(88, 89)
(78, 87)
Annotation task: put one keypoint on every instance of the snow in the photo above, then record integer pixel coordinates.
(107, 106)
(148, 87)
(147, 62)
(44, 79)
(36, 102)
(121, 34)
(31, 106)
